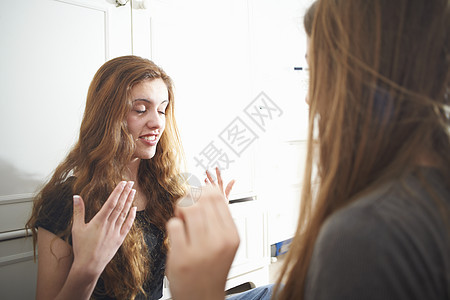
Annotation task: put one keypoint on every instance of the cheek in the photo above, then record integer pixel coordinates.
(133, 126)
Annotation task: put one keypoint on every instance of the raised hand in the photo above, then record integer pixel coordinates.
(203, 243)
(95, 243)
(210, 180)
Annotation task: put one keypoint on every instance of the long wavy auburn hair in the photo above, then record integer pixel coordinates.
(99, 159)
(379, 100)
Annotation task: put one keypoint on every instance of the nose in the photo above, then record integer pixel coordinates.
(155, 120)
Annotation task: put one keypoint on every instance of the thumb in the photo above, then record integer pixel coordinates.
(229, 188)
(78, 211)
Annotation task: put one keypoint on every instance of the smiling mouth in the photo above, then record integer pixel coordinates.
(149, 138)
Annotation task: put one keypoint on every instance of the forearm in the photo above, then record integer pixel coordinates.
(79, 285)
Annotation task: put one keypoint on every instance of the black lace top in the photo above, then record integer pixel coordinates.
(55, 218)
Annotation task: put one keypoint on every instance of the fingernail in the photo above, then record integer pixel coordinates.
(76, 199)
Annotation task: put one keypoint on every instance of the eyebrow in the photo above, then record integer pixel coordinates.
(149, 101)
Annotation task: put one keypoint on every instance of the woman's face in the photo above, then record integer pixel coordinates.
(146, 120)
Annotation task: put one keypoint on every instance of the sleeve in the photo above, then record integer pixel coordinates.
(57, 209)
(358, 256)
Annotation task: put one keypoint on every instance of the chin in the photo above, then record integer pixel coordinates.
(147, 155)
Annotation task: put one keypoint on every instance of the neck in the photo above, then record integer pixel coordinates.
(132, 170)
(140, 201)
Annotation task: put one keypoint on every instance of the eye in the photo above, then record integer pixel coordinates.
(162, 109)
(140, 109)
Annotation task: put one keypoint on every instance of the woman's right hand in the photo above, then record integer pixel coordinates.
(203, 242)
(95, 243)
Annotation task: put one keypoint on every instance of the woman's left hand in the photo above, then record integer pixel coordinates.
(210, 180)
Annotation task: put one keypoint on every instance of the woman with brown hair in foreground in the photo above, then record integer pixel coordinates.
(375, 208)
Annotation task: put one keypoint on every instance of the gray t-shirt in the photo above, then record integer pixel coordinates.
(390, 244)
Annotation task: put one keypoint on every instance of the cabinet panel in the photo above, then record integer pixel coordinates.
(279, 45)
(51, 50)
(205, 47)
(279, 183)
(17, 269)
(14, 214)
(252, 255)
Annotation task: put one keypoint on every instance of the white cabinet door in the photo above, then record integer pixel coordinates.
(279, 48)
(252, 258)
(49, 53)
(205, 47)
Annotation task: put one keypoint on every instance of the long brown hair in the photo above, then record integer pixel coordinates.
(379, 98)
(99, 160)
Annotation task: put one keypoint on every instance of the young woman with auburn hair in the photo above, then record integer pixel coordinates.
(375, 208)
(128, 136)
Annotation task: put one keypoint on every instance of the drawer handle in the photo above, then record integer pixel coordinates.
(13, 234)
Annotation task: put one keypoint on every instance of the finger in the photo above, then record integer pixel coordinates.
(194, 223)
(178, 244)
(78, 211)
(128, 222)
(218, 219)
(177, 233)
(229, 188)
(111, 202)
(222, 210)
(212, 218)
(211, 180)
(126, 208)
(120, 204)
(210, 195)
(176, 212)
(219, 178)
